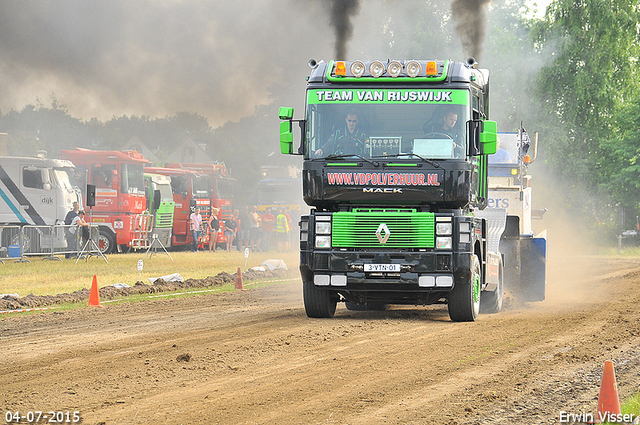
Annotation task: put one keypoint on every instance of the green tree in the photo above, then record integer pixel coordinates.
(592, 72)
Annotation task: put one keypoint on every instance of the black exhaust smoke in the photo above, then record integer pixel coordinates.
(468, 16)
(341, 13)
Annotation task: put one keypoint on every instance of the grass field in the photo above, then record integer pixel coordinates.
(56, 277)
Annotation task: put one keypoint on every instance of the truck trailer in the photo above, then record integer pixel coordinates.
(395, 170)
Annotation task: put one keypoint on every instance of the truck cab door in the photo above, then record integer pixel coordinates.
(37, 200)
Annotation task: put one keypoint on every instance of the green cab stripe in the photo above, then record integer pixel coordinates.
(342, 164)
(371, 95)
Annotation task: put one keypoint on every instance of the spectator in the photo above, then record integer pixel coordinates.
(285, 211)
(268, 227)
(282, 231)
(76, 223)
(243, 233)
(255, 221)
(196, 224)
(230, 229)
(71, 237)
(213, 228)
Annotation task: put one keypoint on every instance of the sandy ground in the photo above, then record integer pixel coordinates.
(253, 357)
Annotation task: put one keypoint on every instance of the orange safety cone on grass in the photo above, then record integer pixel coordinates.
(94, 296)
(239, 284)
(608, 401)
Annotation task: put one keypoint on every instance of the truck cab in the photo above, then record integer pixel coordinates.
(395, 169)
(160, 205)
(190, 189)
(117, 178)
(36, 191)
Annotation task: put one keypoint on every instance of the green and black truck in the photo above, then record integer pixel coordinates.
(395, 173)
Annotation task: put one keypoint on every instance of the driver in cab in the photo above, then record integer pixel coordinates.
(445, 128)
(345, 141)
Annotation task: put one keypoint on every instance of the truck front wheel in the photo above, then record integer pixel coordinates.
(464, 299)
(106, 241)
(318, 303)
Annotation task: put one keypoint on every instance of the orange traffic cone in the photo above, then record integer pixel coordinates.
(94, 296)
(608, 401)
(239, 284)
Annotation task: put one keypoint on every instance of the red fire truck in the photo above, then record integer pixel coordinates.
(120, 200)
(190, 189)
(222, 188)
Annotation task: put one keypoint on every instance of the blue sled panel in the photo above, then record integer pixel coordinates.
(534, 269)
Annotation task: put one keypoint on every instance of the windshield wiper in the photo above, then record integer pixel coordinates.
(333, 156)
(397, 155)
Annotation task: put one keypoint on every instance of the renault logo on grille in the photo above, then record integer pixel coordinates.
(379, 233)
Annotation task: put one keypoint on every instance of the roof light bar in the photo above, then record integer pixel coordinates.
(394, 68)
(357, 69)
(432, 68)
(413, 68)
(376, 69)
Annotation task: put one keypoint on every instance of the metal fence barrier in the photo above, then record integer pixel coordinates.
(18, 242)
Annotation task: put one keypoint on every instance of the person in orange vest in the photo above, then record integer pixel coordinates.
(282, 231)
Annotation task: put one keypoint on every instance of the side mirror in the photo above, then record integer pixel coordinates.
(489, 137)
(286, 133)
(483, 136)
(156, 200)
(285, 113)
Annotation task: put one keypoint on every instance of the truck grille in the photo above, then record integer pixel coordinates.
(164, 219)
(407, 229)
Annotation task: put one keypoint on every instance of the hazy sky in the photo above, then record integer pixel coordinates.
(158, 57)
(153, 57)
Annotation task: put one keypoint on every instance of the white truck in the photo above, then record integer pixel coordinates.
(35, 191)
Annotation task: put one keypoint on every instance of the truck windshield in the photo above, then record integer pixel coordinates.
(132, 181)
(433, 131)
(166, 195)
(65, 178)
(225, 187)
(201, 187)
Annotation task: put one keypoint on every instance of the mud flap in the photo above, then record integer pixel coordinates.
(533, 278)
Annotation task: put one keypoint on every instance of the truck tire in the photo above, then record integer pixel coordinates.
(318, 303)
(491, 301)
(464, 299)
(106, 241)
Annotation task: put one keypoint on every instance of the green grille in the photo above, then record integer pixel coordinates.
(407, 229)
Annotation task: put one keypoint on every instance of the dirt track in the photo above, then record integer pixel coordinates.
(255, 358)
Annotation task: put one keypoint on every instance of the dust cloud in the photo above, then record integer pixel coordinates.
(575, 264)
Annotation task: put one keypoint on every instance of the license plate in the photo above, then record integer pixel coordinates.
(382, 268)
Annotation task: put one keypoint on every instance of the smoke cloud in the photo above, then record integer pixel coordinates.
(155, 58)
(469, 19)
(342, 12)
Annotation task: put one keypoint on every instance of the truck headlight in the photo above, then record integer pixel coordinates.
(444, 242)
(323, 227)
(443, 228)
(324, 241)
